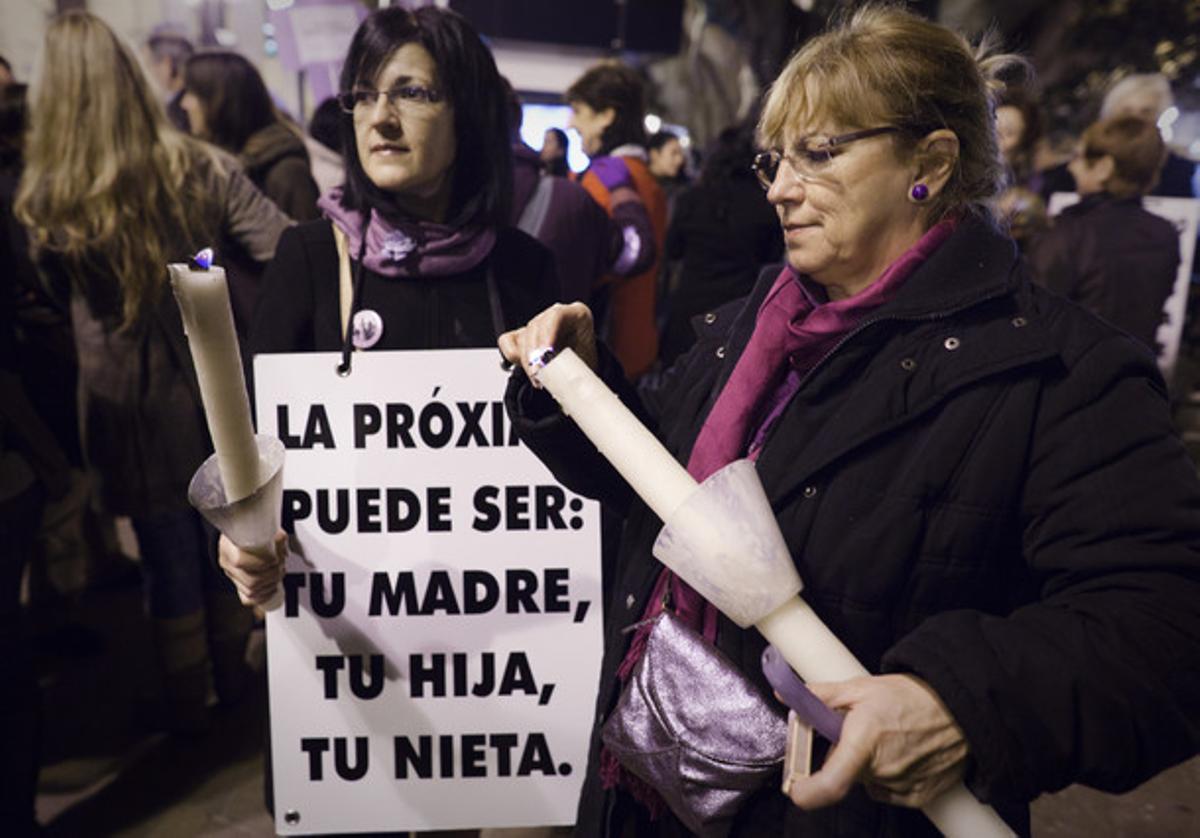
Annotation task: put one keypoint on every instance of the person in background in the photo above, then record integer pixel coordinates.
(324, 146)
(561, 215)
(227, 104)
(1147, 96)
(166, 53)
(107, 209)
(33, 470)
(1019, 129)
(6, 73)
(608, 110)
(1107, 253)
(722, 233)
(554, 152)
(666, 155)
(978, 482)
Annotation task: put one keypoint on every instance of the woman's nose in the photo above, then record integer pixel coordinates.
(786, 187)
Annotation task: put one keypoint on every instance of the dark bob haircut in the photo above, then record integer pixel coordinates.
(481, 192)
(619, 87)
(234, 98)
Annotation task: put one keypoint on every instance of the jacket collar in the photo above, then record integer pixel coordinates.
(976, 267)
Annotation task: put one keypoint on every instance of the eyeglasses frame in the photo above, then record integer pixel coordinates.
(759, 166)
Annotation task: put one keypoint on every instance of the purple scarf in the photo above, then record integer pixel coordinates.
(410, 247)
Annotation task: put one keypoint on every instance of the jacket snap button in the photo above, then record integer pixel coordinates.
(1018, 322)
(710, 318)
(952, 343)
(720, 351)
(810, 491)
(908, 365)
(630, 601)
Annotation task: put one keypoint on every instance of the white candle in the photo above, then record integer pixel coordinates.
(203, 298)
(634, 452)
(805, 642)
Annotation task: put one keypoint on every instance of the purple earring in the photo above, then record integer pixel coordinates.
(919, 192)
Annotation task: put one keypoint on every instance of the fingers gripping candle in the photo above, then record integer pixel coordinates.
(203, 297)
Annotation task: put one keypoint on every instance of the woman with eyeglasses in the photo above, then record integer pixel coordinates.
(415, 251)
(420, 228)
(978, 482)
(112, 193)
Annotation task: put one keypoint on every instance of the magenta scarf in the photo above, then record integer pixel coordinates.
(411, 247)
(793, 332)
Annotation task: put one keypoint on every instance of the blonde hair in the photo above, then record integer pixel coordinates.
(887, 66)
(108, 184)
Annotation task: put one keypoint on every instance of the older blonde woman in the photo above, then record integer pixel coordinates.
(978, 482)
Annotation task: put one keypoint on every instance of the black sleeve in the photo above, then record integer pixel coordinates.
(1099, 680)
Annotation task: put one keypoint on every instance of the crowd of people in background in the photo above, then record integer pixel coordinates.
(99, 409)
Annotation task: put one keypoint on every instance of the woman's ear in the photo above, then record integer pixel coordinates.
(935, 157)
(1104, 168)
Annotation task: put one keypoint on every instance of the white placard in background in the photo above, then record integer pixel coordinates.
(434, 665)
(1184, 215)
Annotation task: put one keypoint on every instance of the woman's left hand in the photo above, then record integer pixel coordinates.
(898, 738)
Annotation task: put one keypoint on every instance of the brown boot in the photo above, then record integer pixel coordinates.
(183, 661)
(229, 624)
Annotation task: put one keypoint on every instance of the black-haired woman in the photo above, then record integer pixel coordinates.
(228, 104)
(422, 221)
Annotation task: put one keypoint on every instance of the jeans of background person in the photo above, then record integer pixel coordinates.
(20, 703)
(179, 563)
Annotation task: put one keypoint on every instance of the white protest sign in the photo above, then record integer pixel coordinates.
(434, 665)
(1184, 215)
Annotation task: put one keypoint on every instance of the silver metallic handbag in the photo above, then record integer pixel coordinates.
(695, 728)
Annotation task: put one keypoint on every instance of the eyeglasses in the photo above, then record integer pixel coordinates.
(410, 97)
(811, 157)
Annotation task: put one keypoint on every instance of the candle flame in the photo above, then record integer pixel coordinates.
(204, 258)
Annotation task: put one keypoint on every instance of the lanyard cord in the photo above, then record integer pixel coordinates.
(343, 369)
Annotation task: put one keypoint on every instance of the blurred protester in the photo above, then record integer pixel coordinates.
(1106, 253)
(554, 152)
(325, 147)
(166, 53)
(666, 157)
(33, 469)
(1019, 130)
(227, 104)
(561, 215)
(724, 230)
(608, 110)
(1023, 213)
(1148, 96)
(107, 209)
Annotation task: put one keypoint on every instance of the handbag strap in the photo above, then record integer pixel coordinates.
(345, 287)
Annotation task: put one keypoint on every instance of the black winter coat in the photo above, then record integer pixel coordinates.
(980, 485)
(1113, 258)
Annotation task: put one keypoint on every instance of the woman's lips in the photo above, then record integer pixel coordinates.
(388, 148)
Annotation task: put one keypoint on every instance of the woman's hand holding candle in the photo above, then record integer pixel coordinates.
(562, 326)
(256, 576)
